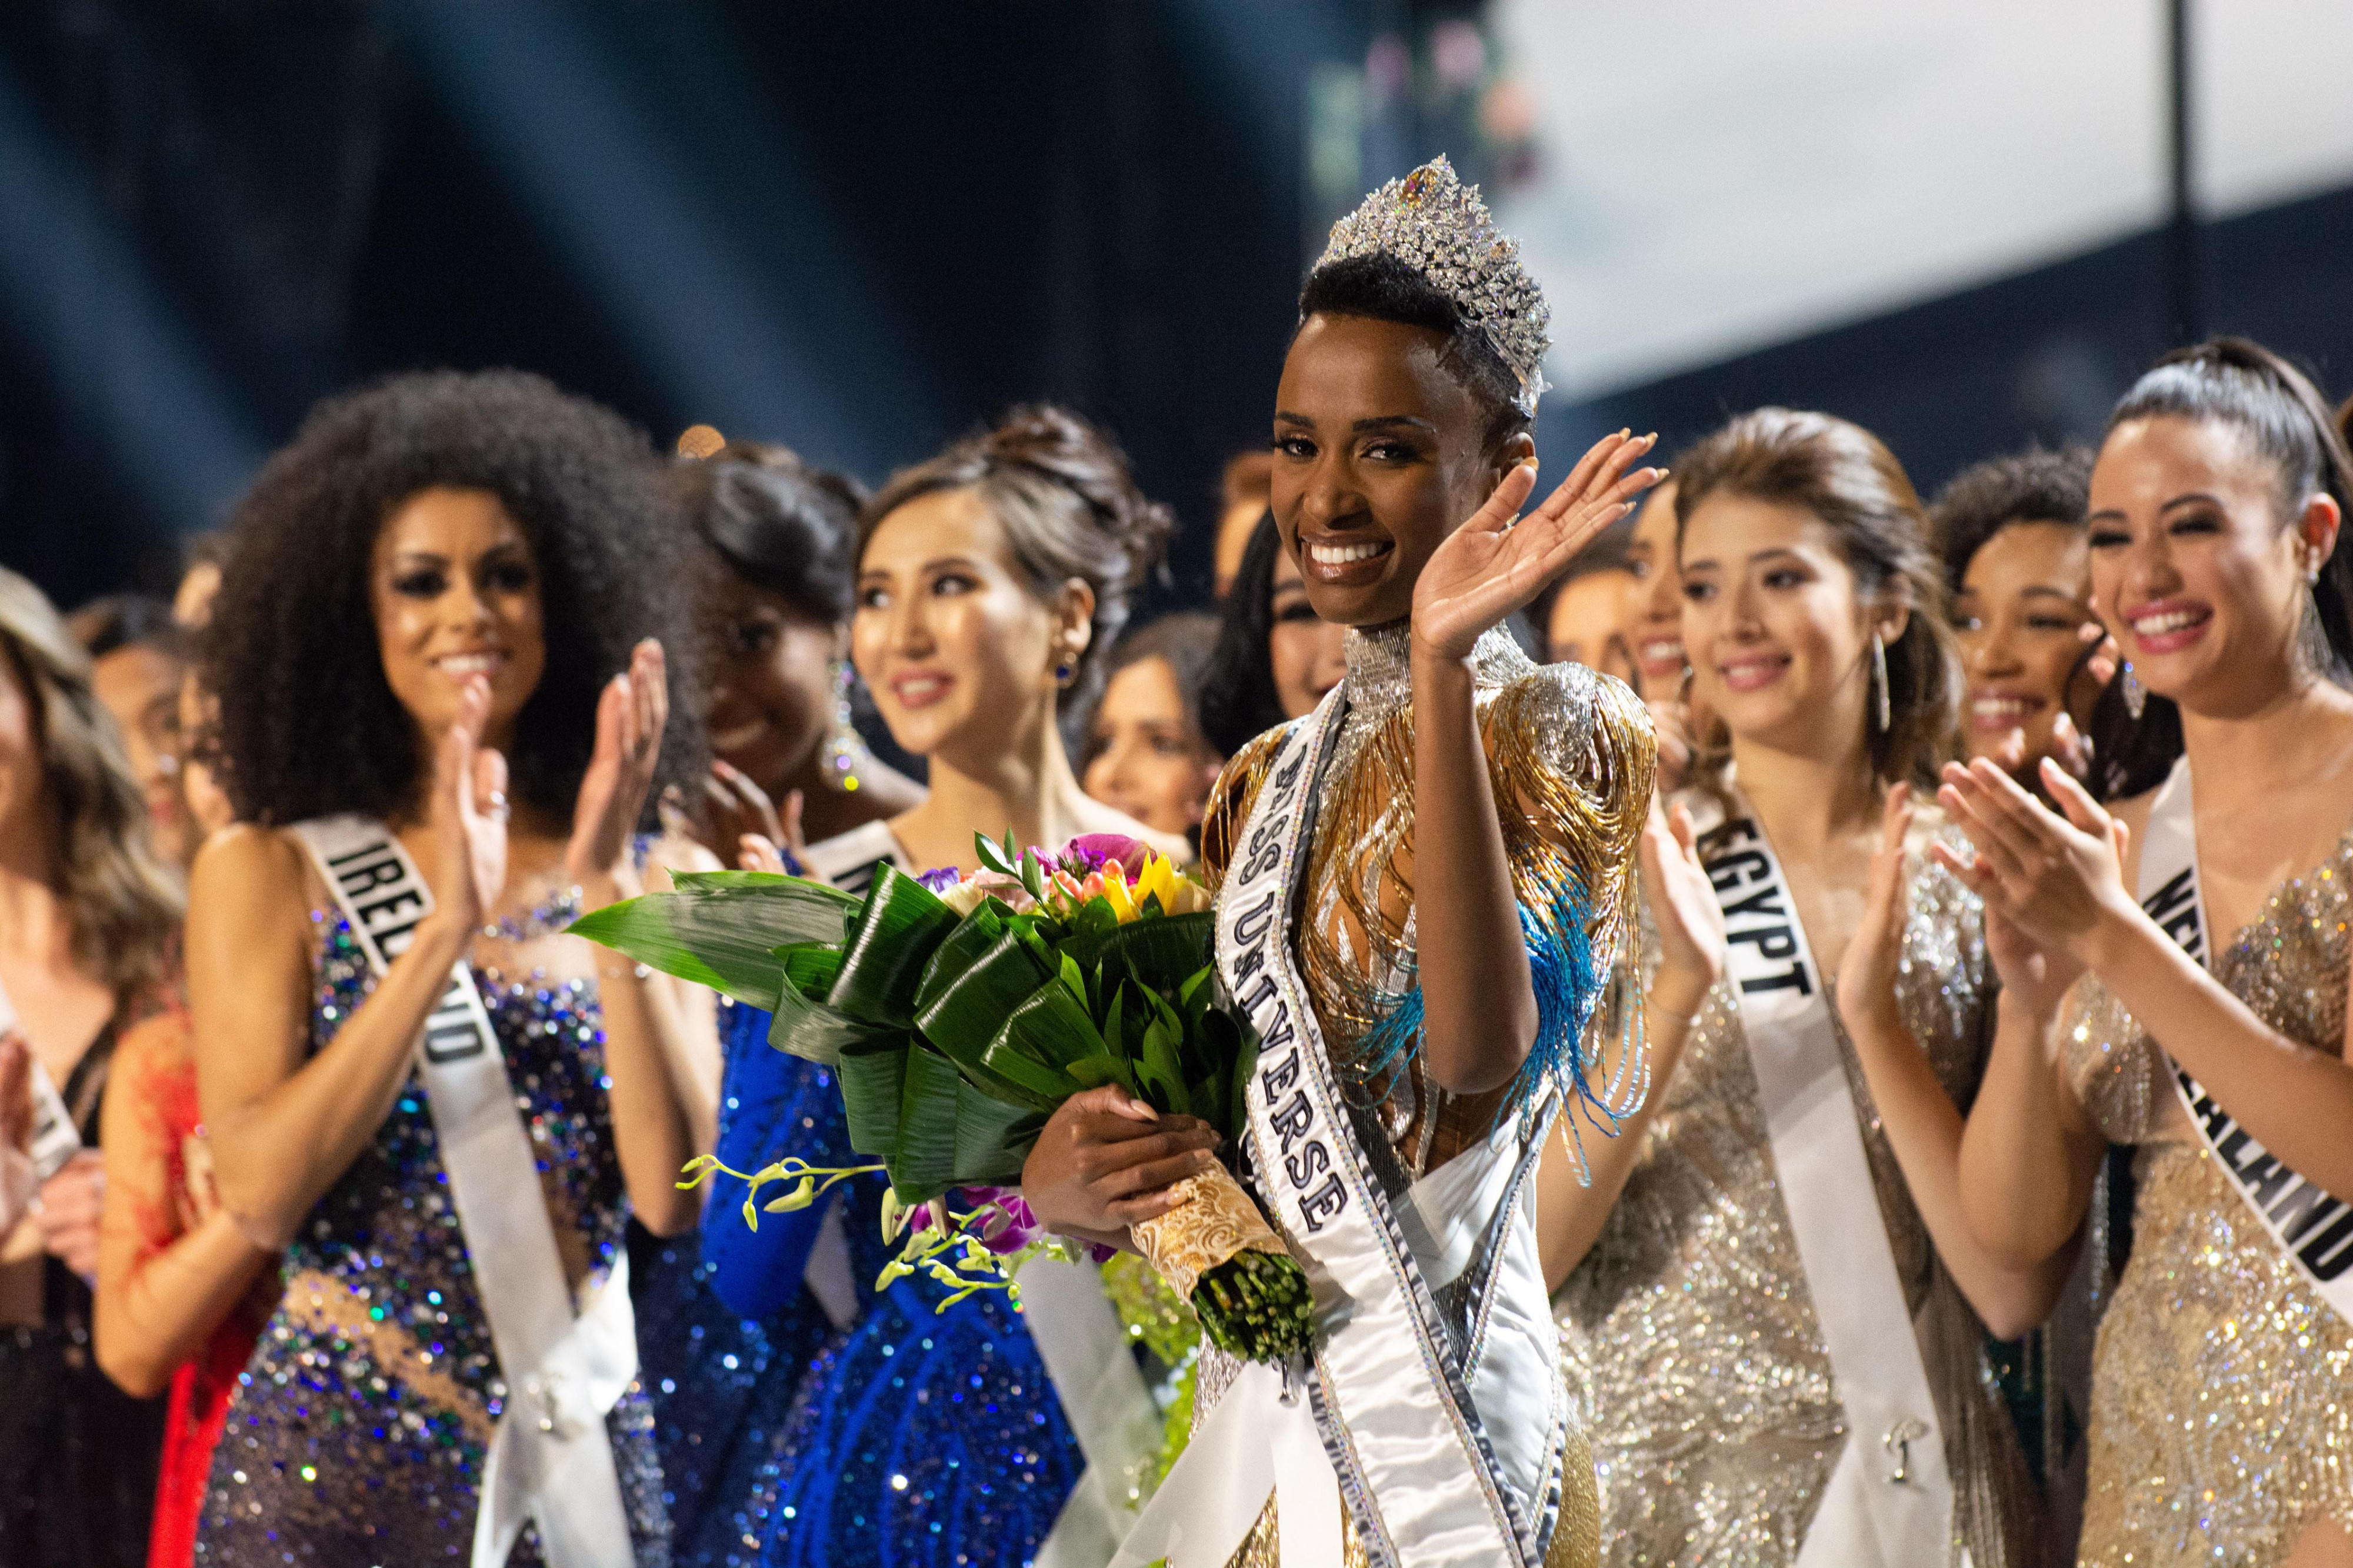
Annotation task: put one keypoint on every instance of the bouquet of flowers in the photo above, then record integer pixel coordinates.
(958, 1013)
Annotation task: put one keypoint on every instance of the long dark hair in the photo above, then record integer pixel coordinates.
(1238, 699)
(2241, 383)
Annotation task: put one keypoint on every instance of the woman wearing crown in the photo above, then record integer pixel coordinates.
(1449, 789)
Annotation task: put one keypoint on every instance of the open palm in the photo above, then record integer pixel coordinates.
(1493, 565)
(630, 717)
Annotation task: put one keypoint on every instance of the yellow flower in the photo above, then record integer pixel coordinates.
(1114, 887)
(1159, 880)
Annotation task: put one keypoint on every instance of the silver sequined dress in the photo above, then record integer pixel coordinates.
(1688, 1333)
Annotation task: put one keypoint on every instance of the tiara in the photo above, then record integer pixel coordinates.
(1438, 226)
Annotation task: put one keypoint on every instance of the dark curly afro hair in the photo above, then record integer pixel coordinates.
(2032, 485)
(308, 725)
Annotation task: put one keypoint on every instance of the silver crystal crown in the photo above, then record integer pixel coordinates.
(1438, 226)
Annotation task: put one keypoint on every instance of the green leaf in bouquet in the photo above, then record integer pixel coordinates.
(873, 1077)
(1079, 982)
(1161, 952)
(721, 929)
(992, 1138)
(811, 967)
(813, 1031)
(1002, 859)
(963, 948)
(923, 1165)
(893, 939)
(1002, 1062)
(1245, 1067)
(1090, 926)
(1053, 1027)
(1159, 1065)
(971, 1001)
(1096, 1071)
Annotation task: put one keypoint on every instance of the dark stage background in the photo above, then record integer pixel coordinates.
(855, 228)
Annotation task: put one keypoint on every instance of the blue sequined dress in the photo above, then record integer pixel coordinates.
(723, 1380)
(357, 1434)
(918, 1439)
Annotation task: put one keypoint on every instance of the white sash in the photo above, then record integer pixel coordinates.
(1889, 1501)
(550, 1459)
(1085, 1349)
(2313, 1227)
(1447, 1454)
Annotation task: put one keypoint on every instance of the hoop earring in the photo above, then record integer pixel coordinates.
(1884, 706)
(2136, 694)
(845, 749)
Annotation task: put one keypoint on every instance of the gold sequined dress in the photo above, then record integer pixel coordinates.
(1688, 1333)
(2223, 1385)
(1571, 756)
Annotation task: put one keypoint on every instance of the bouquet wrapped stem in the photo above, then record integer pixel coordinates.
(958, 1013)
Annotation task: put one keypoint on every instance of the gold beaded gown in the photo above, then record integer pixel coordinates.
(2222, 1384)
(1571, 757)
(1688, 1334)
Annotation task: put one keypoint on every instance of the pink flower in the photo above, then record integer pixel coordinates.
(1090, 850)
(1006, 1224)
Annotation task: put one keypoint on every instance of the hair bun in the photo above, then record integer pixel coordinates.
(1085, 460)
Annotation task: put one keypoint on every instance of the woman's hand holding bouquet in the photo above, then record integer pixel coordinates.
(1052, 1020)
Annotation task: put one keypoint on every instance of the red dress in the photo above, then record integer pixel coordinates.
(170, 1171)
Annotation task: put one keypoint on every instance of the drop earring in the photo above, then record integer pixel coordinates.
(845, 749)
(1062, 675)
(2136, 694)
(1879, 683)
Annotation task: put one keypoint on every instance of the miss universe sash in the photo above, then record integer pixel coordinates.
(550, 1459)
(1889, 1502)
(1447, 1447)
(2313, 1227)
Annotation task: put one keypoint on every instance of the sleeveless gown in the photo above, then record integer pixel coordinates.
(358, 1432)
(2222, 1383)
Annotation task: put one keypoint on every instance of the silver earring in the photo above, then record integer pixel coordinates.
(1879, 683)
(2136, 694)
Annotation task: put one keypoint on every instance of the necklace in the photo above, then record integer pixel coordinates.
(552, 914)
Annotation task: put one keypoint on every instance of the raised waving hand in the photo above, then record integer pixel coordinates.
(1497, 562)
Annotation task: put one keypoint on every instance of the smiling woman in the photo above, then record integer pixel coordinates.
(2012, 532)
(2208, 906)
(786, 536)
(991, 582)
(431, 601)
(1809, 953)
